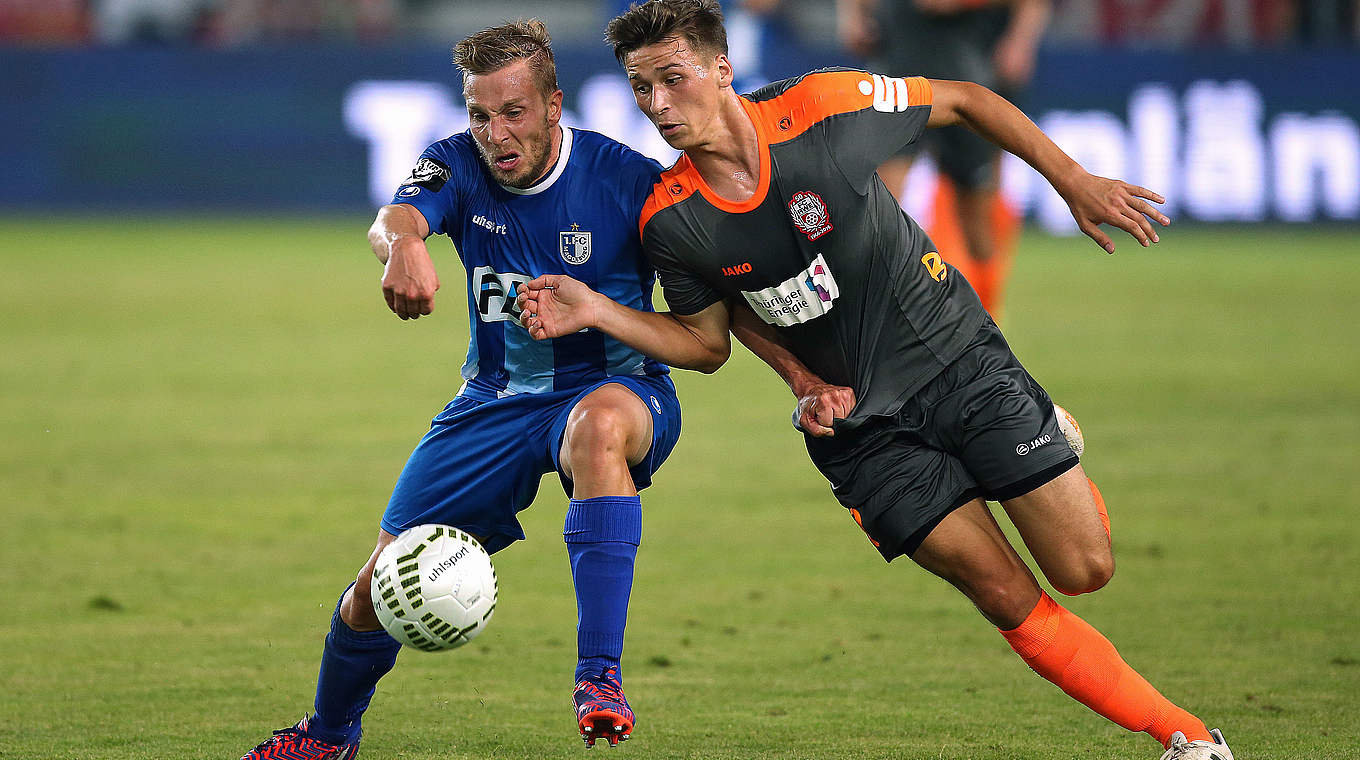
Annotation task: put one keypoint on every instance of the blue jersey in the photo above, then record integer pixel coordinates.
(579, 220)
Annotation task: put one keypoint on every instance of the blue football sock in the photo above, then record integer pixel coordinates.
(602, 536)
(351, 665)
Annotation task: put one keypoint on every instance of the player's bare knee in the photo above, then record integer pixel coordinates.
(1091, 574)
(596, 432)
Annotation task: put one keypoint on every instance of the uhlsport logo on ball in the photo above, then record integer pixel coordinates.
(434, 588)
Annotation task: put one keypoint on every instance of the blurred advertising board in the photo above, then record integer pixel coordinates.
(1226, 136)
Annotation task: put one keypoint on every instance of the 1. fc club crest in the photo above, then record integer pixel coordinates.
(810, 214)
(574, 246)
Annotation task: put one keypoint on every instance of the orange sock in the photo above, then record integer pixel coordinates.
(988, 277)
(1067, 651)
(984, 281)
(1100, 506)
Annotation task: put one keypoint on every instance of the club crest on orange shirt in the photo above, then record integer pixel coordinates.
(810, 214)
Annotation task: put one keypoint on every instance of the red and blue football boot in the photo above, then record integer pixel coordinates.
(293, 743)
(601, 709)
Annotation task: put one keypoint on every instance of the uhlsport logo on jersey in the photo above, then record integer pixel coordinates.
(804, 296)
(574, 246)
(488, 225)
(810, 214)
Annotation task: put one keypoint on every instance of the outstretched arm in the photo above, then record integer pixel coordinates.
(555, 305)
(819, 403)
(1093, 200)
(409, 281)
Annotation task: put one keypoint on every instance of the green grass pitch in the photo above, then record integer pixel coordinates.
(202, 419)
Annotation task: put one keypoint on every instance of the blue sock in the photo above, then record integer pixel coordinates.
(602, 536)
(351, 665)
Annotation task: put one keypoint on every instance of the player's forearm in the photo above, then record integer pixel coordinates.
(764, 342)
(395, 224)
(996, 119)
(662, 336)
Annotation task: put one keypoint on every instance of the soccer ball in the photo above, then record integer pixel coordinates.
(434, 588)
(1070, 429)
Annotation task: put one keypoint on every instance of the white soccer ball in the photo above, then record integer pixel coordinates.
(434, 588)
(1070, 429)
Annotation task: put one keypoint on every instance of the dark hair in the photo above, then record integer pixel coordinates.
(699, 22)
(495, 48)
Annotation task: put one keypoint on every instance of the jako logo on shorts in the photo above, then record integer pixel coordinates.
(1026, 448)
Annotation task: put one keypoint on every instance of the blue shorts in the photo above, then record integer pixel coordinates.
(482, 461)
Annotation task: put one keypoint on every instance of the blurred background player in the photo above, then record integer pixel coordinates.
(990, 42)
(520, 196)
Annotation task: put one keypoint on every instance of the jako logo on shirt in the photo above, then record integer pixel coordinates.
(804, 296)
(810, 214)
(890, 93)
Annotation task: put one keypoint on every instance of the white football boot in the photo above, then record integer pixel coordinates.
(1199, 749)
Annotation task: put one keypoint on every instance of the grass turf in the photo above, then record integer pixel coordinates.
(202, 420)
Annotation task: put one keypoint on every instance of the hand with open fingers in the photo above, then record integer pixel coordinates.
(1098, 200)
(821, 405)
(409, 280)
(554, 305)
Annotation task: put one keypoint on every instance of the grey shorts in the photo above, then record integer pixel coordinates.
(981, 428)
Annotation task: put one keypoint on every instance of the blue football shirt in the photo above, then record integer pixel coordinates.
(580, 220)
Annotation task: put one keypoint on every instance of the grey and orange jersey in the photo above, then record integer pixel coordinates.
(822, 250)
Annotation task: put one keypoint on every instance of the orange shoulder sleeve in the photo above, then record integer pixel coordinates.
(674, 185)
(826, 93)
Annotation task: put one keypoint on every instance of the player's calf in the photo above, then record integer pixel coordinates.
(356, 606)
(1100, 508)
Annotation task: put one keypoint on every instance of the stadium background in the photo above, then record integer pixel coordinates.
(206, 401)
(1232, 129)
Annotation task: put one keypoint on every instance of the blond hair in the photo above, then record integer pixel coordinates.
(495, 48)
